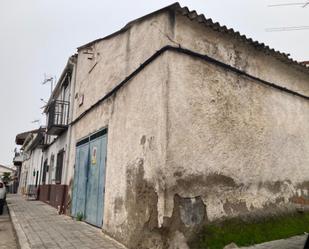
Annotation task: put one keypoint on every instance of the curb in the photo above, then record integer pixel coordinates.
(22, 240)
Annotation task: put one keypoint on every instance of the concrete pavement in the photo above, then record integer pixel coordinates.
(296, 242)
(7, 235)
(38, 225)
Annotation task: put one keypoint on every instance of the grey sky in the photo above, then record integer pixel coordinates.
(37, 37)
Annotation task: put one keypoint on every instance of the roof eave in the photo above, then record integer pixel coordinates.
(130, 24)
(193, 15)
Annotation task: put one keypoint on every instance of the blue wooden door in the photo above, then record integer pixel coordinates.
(96, 181)
(80, 180)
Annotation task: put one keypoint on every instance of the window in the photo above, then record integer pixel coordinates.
(60, 157)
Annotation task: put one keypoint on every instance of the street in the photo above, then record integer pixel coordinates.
(38, 225)
(7, 236)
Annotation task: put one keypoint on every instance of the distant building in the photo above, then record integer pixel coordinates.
(12, 183)
(6, 169)
(170, 123)
(306, 63)
(31, 154)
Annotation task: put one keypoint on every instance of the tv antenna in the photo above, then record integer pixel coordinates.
(49, 80)
(36, 121)
(289, 28)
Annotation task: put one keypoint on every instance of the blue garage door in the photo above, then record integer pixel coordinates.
(88, 199)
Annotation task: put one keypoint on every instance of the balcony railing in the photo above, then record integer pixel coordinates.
(43, 143)
(18, 158)
(58, 115)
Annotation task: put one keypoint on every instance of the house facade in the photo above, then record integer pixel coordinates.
(175, 122)
(44, 150)
(6, 169)
(30, 173)
(54, 180)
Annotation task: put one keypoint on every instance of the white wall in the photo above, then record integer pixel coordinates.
(35, 163)
(59, 144)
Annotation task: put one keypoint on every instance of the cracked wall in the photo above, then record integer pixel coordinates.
(238, 144)
(188, 142)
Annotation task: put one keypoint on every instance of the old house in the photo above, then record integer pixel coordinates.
(176, 121)
(9, 175)
(20, 156)
(6, 170)
(43, 154)
(54, 180)
(30, 173)
(196, 123)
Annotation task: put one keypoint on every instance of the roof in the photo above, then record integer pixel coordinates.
(21, 137)
(33, 139)
(7, 168)
(200, 18)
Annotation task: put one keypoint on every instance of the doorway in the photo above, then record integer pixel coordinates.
(89, 179)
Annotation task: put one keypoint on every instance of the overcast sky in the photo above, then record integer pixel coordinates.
(38, 36)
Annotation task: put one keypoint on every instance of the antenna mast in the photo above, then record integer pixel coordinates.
(49, 80)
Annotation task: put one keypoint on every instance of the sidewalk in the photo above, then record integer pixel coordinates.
(38, 225)
(296, 242)
(7, 236)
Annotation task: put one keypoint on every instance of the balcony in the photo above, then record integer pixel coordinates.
(43, 140)
(58, 115)
(18, 159)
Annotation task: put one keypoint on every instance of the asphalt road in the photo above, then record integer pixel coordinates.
(7, 235)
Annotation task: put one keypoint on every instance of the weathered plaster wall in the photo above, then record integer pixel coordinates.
(238, 145)
(135, 118)
(189, 142)
(34, 165)
(242, 55)
(112, 60)
(59, 144)
(23, 177)
(132, 142)
(136, 156)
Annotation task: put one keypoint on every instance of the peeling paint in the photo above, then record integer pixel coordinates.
(189, 142)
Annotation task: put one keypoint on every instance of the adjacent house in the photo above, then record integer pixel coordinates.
(54, 180)
(172, 122)
(6, 169)
(8, 175)
(32, 154)
(20, 157)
